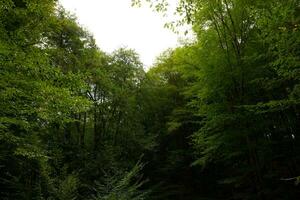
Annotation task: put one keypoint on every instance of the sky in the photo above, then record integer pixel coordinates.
(115, 24)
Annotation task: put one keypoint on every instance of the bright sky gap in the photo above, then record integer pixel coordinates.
(115, 24)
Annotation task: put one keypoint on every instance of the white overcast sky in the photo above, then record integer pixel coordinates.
(114, 24)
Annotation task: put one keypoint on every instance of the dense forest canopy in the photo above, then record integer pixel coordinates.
(216, 118)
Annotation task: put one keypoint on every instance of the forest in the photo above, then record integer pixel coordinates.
(217, 118)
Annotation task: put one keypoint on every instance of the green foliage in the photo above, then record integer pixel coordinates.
(122, 186)
(48, 118)
(68, 188)
(217, 118)
(236, 87)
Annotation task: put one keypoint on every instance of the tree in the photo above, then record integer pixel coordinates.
(237, 81)
(34, 95)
